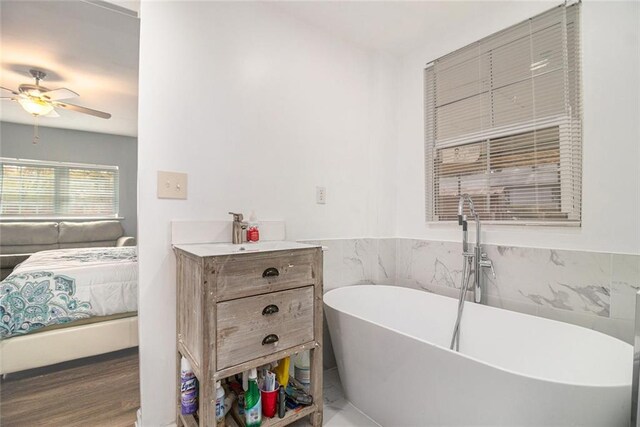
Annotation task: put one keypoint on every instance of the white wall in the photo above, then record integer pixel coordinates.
(611, 176)
(258, 109)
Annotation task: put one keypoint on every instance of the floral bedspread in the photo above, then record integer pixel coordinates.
(61, 286)
(34, 300)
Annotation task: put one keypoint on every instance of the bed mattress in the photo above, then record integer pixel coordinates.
(66, 285)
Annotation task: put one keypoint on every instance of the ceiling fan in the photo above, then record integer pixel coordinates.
(42, 102)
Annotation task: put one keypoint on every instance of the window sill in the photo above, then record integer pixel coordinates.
(59, 218)
(554, 224)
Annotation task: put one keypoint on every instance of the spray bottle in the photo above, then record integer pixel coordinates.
(188, 388)
(253, 401)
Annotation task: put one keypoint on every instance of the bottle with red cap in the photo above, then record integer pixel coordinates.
(253, 232)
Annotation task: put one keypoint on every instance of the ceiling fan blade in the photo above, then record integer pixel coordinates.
(4, 89)
(84, 110)
(62, 93)
(52, 114)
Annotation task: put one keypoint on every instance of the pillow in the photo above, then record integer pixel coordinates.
(93, 231)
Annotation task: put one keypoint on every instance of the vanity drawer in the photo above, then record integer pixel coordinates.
(248, 328)
(243, 275)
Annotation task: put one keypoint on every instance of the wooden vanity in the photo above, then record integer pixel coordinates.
(242, 306)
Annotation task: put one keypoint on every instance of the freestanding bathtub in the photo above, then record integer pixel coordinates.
(392, 350)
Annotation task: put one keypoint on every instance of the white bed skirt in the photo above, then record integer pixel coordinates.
(60, 345)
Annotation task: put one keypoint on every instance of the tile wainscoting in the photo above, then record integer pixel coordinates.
(353, 262)
(591, 289)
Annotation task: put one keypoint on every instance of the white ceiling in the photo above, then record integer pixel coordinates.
(399, 27)
(94, 50)
(85, 47)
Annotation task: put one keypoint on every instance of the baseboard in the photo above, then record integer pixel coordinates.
(138, 422)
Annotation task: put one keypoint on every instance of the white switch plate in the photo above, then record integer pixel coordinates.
(321, 195)
(172, 185)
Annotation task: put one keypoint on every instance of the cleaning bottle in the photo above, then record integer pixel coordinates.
(302, 369)
(220, 402)
(188, 388)
(253, 401)
(282, 371)
(253, 232)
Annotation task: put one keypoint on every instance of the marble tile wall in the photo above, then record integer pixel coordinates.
(357, 261)
(590, 289)
(352, 262)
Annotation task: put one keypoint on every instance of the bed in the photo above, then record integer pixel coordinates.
(65, 304)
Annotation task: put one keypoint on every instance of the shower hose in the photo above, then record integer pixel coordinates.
(466, 275)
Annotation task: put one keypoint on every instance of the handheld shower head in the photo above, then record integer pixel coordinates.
(461, 217)
(466, 198)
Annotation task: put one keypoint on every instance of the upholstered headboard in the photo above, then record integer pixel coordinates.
(18, 240)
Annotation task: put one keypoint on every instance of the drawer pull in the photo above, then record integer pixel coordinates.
(270, 309)
(270, 339)
(271, 272)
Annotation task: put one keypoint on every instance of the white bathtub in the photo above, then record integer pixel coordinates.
(391, 347)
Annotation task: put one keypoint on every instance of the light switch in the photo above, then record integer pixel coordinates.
(172, 185)
(321, 195)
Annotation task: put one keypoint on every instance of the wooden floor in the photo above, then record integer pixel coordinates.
(93, 392)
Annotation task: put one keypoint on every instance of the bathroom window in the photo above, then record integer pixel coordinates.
(503, 124)
(32, 189)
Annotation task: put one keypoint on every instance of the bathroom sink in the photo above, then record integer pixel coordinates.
(216, 249)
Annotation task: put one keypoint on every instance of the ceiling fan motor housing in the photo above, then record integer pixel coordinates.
(33, 90)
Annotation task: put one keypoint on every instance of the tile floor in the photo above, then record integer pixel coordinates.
(338, 412)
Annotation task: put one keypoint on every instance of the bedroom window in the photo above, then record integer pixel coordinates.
(503, 124)
(38, 189)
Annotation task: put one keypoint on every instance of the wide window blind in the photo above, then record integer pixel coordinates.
(32, 189)
(503, 124)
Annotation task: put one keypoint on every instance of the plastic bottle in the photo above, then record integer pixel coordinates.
(253, 401)
(302, 369)
(188, 388)
(282, 371)
(220, 402)
(253, 232)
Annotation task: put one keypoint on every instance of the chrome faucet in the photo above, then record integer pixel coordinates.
(478, 258)
(472, 263)
(238, 236)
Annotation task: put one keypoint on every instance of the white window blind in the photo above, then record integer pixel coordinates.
(33, 189)
(503, 124)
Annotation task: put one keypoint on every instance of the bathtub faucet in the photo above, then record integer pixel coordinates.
(477, 258)
(472, 262)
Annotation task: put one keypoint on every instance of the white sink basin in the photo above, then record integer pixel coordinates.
(216, 249)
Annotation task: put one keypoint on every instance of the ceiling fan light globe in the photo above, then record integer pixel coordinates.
(36, 107)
